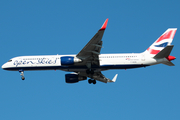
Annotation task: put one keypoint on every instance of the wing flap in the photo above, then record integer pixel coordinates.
(98, 76)
(102, 78)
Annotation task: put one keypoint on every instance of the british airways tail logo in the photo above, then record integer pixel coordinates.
(162, 45)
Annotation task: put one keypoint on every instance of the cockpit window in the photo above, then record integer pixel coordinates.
(9, 60)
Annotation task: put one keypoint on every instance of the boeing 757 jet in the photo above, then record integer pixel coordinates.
(89, 63)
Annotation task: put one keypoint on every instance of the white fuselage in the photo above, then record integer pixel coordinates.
(106, 61)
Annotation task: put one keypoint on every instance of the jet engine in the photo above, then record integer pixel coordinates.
(69, 60)
(74, 78)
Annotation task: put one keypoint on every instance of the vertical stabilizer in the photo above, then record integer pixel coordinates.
(164, 40)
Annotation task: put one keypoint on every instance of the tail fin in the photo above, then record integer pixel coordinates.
(164, 40)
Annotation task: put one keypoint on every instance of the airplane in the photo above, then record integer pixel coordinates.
(89, 63)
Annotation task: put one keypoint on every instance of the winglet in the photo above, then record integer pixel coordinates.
(104, 25)
(115, 77)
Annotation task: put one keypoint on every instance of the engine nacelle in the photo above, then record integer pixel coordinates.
(69, 60)
(74, 78)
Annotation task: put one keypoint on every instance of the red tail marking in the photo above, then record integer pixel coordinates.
(174, 34)
(165, 36)
(153, 51)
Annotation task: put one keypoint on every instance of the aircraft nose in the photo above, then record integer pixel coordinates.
(3, 66)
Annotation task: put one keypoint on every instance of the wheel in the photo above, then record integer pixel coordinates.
(89, 81)
(94, 82)
(23, 78)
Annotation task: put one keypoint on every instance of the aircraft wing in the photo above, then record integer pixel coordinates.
(99, 76)
(90, 53)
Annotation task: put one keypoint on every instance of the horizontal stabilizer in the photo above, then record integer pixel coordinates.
(169, 63)
(165, 52)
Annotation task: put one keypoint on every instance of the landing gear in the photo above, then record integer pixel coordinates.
(94, 81)
(91, 81)
(22, 74)
(90, 71)
(23, 78)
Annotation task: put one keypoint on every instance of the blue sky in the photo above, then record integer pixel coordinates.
(35, 27)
